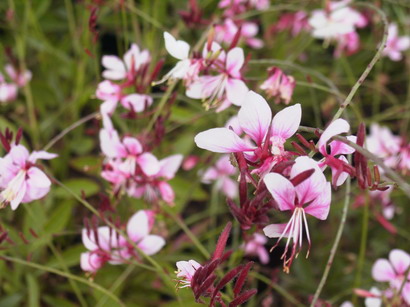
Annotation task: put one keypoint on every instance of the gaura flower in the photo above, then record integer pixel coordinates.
(226, 32)
(220, 173)
(186, 270)
(256, 247)
(311, 196)
(339, 165)
(155, 186)
(8, 91)
(279, 85)
(255, 119)
(395, 44)
(394, 271)
(21, 180)
(225, 88)
(117, 69)
(20, 78)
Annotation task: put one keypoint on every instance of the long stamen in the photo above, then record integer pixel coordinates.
(307, 232)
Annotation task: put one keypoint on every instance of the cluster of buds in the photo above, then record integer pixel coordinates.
(136, 79)
(129, 167)
(202, 278)
(105, 244)
(21, 179)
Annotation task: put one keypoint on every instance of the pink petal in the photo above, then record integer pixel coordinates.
(383, 271)
(224, 165)
(234, 61)
(136, 102)
(338, 176)
(340, 148)
(132, 145)
(229, 187)
(282, 190)
(90, 262)
(286, 122)
(151, 244)
(177, 48)
(19, 197)
(320, 207)
(115, 67)
(149, 164)
(19, 154)
(274, 230)
(335, 128)
(221, 140)
(37, 179)
(235, 91)
(263, 255)
(400, 261)
(167, 193)
(138, 226)
(255, 116)
(403, 43)
(169, 166)
(210, 175)
(43, 155)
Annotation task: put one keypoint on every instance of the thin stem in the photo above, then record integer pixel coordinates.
(335, 244)
(69, 129)
(63, 274)
(369, 67)
(144, 15)
(389, 173)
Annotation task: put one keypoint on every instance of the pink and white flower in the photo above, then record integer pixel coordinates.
(8, 91)
(186, 270)
(255, 119)
(339, 165)
(279, 85)
(312, 196)
(295, 22)
(225, 88)
(256, 247)
(221, 173)
(18, 77)
(119, 69)
(394, 271)
(21, 180)
(395, 44)
(226, 32)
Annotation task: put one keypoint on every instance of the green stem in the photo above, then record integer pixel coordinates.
(64, 274)
(335, 243)
(369, 67)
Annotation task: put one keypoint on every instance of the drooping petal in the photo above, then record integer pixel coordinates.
(286, 122)
(383, 271)
(169, 166)
(335, 128)
(177, 48)
(255, 116)
(275, 230)
(221, 140)
(320, 207)
(151, 244)
(148, 163)
(400, 261)
(138, 226)
(282, 190)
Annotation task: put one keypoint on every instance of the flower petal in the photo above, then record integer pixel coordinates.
(235, 91)
(221, 140)
(400, 261)
(286, 122)
(320, 207)
(255, 116)
(177, 48)
(234, 61)
(151, 244)
(138, 226)
(169, 166)
(115, 68)
(383, 271)
(149, 164)
(340, 148)
(282, 190)
(335, 128)
(275, 230)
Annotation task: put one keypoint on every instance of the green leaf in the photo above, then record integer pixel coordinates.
(33, 291)
(59, 218)
(78, 185)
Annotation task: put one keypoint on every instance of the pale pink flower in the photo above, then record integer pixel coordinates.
(129, 150)
(111, 93)
(19, 78)
(186, 270)
(155, 186)
(139, 227)
(347, 44)
(337, 21)
(21, 180)
(221, 173)
(279, 85)
(117, 69)
(312, 196)
(256, 247)
(255, 119)
(226, 32)
(393, 271)
(339, 165)
(395, 44)
(227, 87)
(384, 197)
(8, 91)
(186, 68)
(295, 22)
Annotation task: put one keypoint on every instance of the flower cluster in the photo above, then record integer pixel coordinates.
(17, 79)
(105, 244)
